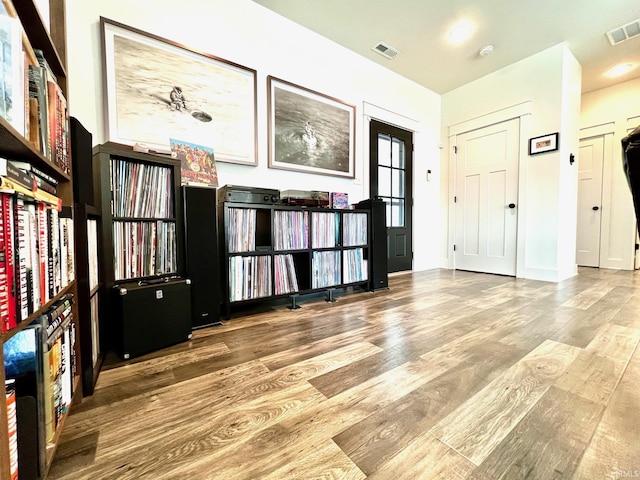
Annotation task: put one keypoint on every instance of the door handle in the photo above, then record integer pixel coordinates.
(512, 205)
(595, 209)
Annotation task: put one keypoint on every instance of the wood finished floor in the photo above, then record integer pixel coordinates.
(451, 375)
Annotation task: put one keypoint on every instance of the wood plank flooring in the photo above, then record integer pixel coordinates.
(446, 375)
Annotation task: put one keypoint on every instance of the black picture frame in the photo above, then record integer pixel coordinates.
(544, 144)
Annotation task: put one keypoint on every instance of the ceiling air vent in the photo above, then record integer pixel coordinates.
(385, 50)
(625, 32)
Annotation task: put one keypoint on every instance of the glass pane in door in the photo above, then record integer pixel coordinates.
(397, 153)
(384, 150)
(397, 184)
(384, 181)
(397, 213)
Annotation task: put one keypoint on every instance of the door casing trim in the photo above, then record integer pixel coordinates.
(522, 111)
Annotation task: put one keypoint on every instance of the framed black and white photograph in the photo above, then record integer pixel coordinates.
(543, 144)
(156, 89)
(309, 132)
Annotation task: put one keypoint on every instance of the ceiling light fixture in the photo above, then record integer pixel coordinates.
(620, 70)
(486, 50)
(460, 32)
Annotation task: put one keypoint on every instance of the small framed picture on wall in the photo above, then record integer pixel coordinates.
(543, 144)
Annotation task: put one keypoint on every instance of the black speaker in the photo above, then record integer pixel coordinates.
(378, 263)
(80, 141)
(154, 315)
(201, 254)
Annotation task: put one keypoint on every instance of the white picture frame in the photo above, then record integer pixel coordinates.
(310, 132)
(140, 72)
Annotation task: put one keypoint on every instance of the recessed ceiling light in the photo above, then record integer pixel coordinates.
(460, 32)
(620, 70)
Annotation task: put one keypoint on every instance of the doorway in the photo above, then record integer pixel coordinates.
(391, 173)
(590, 164)
(486, 193)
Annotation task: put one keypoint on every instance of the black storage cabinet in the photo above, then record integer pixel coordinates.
(153, 315)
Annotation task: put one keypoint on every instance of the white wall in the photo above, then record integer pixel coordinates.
(251, 35)
(614, 110)
(536, 84)
(568, 185)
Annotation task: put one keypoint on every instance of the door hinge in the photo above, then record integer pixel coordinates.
(637, 246)
(455, 198)
(454, 247)
(455, 149)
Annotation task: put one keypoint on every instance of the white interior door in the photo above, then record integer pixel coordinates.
(590, 163)
(486, 198)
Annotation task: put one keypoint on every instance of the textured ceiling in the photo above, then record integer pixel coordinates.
(517, 29)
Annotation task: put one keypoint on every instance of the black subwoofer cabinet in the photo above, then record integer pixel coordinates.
(153, 315)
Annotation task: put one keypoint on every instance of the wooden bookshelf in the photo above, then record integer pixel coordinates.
(14, 146)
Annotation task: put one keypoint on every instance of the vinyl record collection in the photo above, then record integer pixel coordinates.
(274, 250)
(326, 269)
(149, 249)
(291, 230)
(286, 280)
(325, 229)
(141, 190)
(241, 234)
(144, 228)
(354, 229)
(249, 277)
(355, 265)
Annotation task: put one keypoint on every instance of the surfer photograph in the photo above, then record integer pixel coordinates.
(311, 132)
(157, 90)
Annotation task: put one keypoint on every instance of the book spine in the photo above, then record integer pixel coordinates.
(43, 250)
(4, 286)
(50, 248)
(20, 261)
(38, 91)
(32, 257)
(7, 213)
(10, 394)
(42, 184)
(8, 170)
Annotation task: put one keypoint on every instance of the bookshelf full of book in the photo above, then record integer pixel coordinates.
(140, 228)
(39, 323)
(272, 251)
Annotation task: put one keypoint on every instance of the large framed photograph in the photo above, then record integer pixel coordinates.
(545, 143)
(156, 89)
(309, 132)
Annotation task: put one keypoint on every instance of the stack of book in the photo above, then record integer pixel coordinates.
(36, 243)
(31, 99)
(59, 362)
(41, 367)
